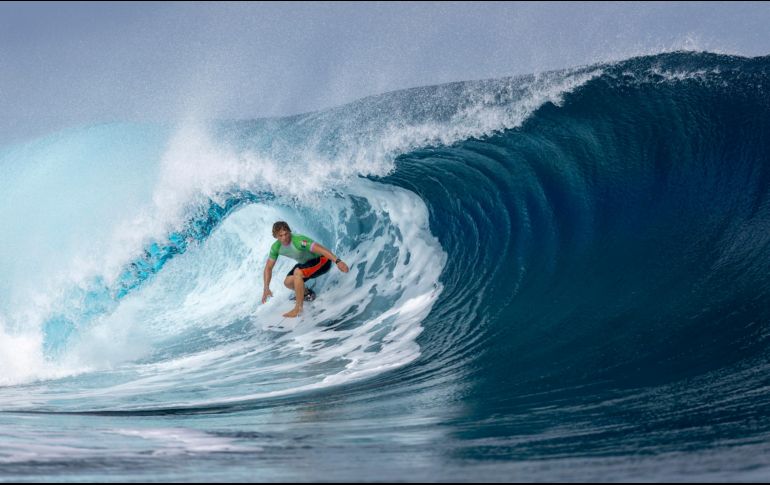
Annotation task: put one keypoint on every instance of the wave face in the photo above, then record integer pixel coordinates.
(558, 277)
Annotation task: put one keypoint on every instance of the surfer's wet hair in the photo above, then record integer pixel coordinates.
(280, 226)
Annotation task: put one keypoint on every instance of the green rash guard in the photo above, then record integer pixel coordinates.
(300, 249)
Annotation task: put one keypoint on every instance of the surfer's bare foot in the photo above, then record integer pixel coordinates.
(293, 313)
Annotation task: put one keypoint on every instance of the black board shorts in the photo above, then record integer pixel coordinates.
(313, 268)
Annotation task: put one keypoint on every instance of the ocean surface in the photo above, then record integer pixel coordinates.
(555, 277)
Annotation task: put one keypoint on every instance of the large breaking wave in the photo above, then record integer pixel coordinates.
(583, 252)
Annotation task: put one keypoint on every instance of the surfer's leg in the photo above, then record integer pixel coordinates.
(299, 289)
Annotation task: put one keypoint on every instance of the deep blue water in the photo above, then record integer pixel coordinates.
(554, 277)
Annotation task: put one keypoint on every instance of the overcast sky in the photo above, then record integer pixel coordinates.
(68, 64)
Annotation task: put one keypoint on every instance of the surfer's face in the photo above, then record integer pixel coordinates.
(284, 236)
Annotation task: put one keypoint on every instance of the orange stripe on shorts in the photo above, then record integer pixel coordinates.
(308, 272)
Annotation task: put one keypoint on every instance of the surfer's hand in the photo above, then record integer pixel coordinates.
(343, 267)
(266, 294)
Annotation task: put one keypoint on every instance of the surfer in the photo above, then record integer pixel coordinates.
(313, 260)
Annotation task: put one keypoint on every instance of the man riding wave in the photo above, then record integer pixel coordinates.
(313, 260)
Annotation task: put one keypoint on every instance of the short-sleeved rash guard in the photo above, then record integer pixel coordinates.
(300, 249)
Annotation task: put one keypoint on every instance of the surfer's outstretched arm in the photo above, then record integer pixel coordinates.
(318, 249)
(268, 276)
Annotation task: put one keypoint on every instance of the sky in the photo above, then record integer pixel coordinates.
(65, 65)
